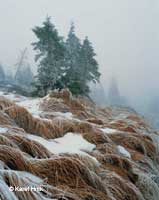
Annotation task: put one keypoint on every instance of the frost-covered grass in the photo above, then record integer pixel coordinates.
(13, 97)
(155, 139)
(121, 150)
(23, 181)
(148, 187)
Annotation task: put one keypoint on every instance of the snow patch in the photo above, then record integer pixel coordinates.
(71, 143)
(67, 115)
(3, 130)
(108, 130)
(32, 105)
(121, 150)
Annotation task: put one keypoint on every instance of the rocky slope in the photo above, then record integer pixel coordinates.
(73, 149)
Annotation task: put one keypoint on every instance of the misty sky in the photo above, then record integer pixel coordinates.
(125, 34)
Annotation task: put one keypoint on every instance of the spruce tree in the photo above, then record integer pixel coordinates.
(72, 61)
(50, 56)
(88, 66)
(2, 75)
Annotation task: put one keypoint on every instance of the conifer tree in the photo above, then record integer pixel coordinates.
(2, 74)
(60, 64)
(82, 66)
(50, 56)
(72, 58)
(88, 66)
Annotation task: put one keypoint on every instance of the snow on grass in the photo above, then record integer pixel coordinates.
(108, 130)
(121, 150)
(12, 96)
(32, 105)
(71, 143)
(67, 115)
(3, 130)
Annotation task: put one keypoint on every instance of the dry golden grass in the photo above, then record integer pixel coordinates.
(123, 125)
(33, 148)
(13, 158)
(96, 137)
(5, 120)
(106, 148)
(91, 194)
(45, 128)
(82, 108)
(5, 103)
(70, 171)
(6, 141)
(95, 121)
(87, 160)
(54, 105)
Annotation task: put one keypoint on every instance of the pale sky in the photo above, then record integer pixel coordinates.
(125, 34)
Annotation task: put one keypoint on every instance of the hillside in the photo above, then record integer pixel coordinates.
(74, 150)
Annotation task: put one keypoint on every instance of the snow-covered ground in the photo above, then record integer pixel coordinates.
(70, 143)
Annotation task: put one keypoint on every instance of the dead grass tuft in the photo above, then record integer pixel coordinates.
(141, 143)
(5, 103)
(5, 120)
(123, 189)
(13, 158)
(66, 171)
(120, 165)
(96, 137)
(45, 128)
(6, 141)
(33, 148)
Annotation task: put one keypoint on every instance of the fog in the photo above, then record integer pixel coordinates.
(124, 33)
